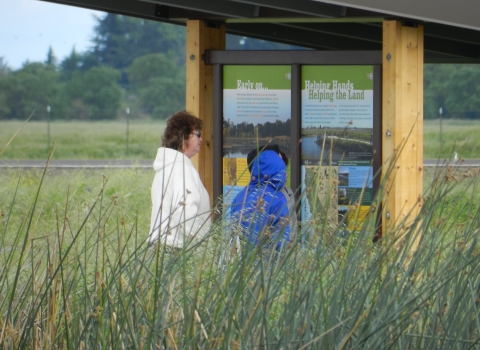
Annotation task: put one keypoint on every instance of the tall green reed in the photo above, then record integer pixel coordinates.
(93, 282)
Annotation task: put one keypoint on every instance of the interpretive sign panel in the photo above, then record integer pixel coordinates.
(256, 112)
(337, 142)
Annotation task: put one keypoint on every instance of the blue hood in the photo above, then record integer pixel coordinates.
(269, 167)
(261, 205)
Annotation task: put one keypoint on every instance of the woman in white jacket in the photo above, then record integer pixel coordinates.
(180, 202)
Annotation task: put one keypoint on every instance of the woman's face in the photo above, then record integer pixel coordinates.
(192, 145)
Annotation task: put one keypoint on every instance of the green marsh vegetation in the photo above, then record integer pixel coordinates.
(76, 274)
(443, 138)
(83, 140)
(107, 139)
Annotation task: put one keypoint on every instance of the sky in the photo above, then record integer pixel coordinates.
(29, 27)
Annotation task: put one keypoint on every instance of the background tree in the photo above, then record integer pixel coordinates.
(462, 91)
(119, 40)
(51, 59)
(434, 89)
(454, 87)
(157, 84)
(70, 65)
(31, 88)
(102, 92)
(4, 72)
(4, 69)
(141, 64)
(74, 90)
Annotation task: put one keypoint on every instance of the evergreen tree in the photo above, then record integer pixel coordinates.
(51, 58)
(119, 40)
(70, 65)
(4, 72)
(4, 69)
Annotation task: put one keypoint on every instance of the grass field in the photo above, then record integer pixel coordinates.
(460, 136)
(82, 140)
(107, 140)
(126, 189)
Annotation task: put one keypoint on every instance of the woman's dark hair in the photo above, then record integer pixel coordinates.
(179, 127)
(284, 158)
(257, 150)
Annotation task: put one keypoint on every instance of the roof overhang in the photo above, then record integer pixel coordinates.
(452, 33)
(463, 14)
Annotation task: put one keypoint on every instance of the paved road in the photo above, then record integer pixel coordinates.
(452, 162)
(102, 164)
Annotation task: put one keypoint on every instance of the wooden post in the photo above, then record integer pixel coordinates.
(199, 88)
(402, 123)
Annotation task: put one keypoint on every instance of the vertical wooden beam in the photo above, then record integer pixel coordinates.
(402, 123)
(199, 89)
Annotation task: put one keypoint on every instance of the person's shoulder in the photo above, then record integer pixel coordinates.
(287, 190)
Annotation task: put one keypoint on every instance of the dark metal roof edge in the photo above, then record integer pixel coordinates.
(293, 57)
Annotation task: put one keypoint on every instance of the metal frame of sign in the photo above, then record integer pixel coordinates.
(296, 59)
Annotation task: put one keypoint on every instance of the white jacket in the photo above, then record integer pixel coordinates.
(180, 202)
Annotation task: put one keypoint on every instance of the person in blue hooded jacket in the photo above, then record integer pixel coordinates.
(260, 208)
